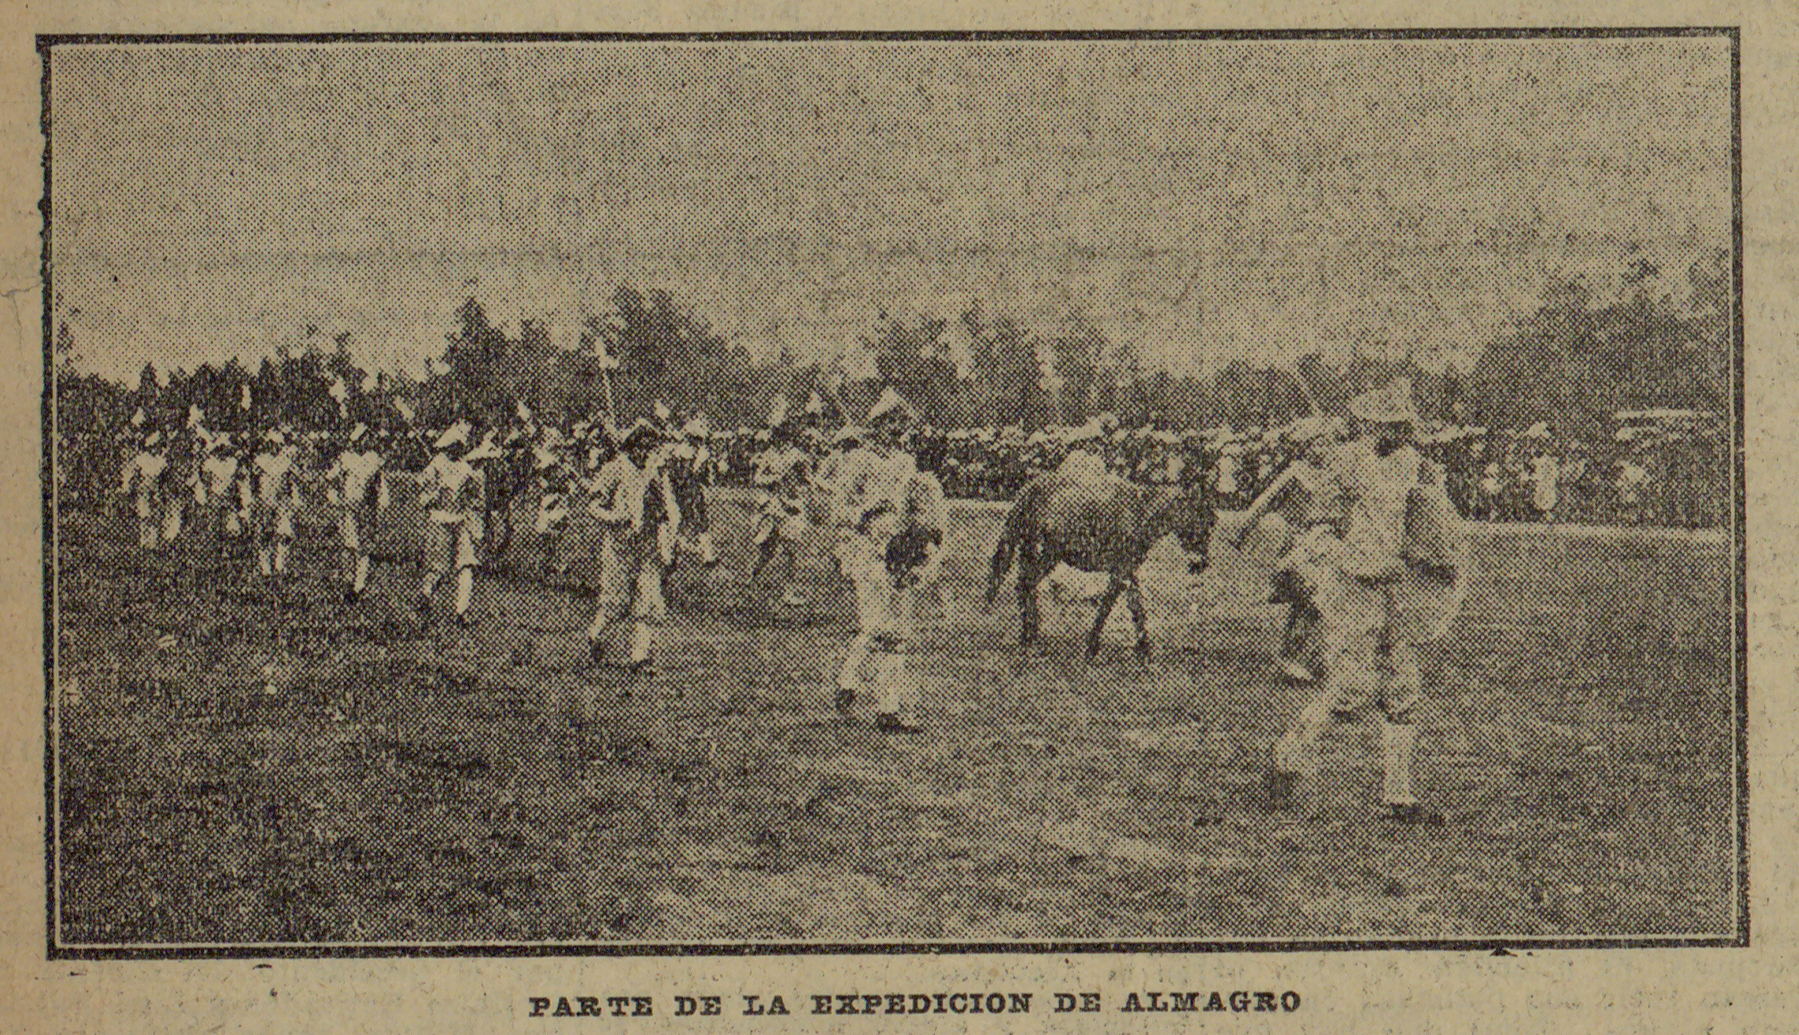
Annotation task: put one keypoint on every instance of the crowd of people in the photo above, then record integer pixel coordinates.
(1656, 467)
(644, 486)
(1366, 577)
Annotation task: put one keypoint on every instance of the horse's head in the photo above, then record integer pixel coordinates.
(1189, 516)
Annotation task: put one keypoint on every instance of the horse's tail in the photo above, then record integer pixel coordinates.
(1011, 534)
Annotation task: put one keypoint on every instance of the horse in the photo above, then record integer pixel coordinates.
(1102, 524)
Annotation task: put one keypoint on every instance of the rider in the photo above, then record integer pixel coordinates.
(143, 479)
(891, 520)
(277, 500)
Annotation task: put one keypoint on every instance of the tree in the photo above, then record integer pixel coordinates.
(914, 360)
(1639, 331)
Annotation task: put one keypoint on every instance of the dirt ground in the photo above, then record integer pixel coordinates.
(243, 763)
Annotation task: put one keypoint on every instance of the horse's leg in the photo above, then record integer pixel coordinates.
(1028, 618)
(1134, 600)
(765, 552)
(1114, 586)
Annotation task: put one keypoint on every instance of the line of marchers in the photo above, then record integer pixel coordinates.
(891, 1003)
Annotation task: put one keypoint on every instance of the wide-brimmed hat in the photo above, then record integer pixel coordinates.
(455, 434)
(642, 433)
(1389, 405)
(889, 404)
(777, 411)
(1085, 433)
(1306, 429)
(847, 434)
(487, 450)
(698, 427)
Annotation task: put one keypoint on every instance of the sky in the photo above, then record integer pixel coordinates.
(1204, 200)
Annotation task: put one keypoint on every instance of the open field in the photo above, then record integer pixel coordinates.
(290, 768)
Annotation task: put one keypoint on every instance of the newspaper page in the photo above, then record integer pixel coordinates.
(815, 519)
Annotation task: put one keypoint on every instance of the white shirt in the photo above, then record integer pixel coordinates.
(781, 473)
(450, 489)
(274, 472)
(141, 475)
(1377, 488)
(867, 480)
(619, 491)
(350, 476)
(219, 470)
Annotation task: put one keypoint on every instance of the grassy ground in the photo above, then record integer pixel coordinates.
(295, 769)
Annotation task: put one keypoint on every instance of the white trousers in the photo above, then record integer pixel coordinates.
(886, 617)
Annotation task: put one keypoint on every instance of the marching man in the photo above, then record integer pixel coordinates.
(781, 472)
(633, 500)
(554, 463)
(351, 491)
(891, 518)
(1309, 497)
(142, 479)
(276, 501)
(453, 495)
(689, 467)
(1391, 581)
(224, 501)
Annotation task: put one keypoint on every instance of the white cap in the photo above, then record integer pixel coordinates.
(454, 434)
(889, 402)
(485, 451)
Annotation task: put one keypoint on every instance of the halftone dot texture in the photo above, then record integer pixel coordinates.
(1215, 200)
(259, 761)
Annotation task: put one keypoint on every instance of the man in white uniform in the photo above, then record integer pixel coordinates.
(224, 505)
(453, 496)
(631, 497)
(143, 480)
(689, 466)
(782, 472)
(1393, 580)
(350, 489)
(276, 501)
(891, 520)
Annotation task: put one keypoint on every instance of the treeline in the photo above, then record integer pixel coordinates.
(1642, 336)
